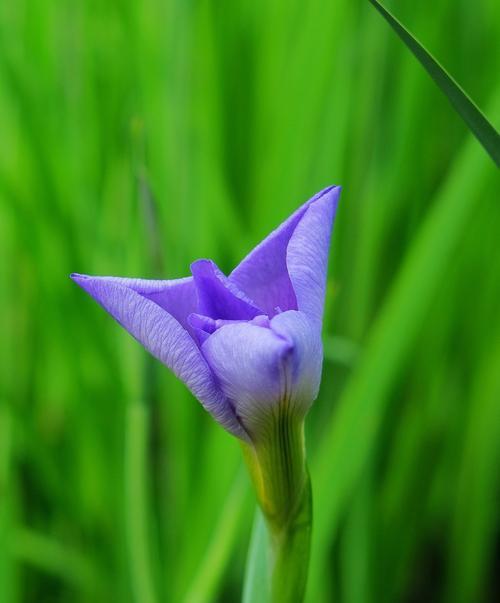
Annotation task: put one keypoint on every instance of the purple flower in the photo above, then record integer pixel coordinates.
(247, 343)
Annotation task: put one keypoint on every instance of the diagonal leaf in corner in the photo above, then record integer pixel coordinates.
(478, 124)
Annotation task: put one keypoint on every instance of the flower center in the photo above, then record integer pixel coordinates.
(203, 326)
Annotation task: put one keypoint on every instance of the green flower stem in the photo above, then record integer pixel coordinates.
(278, 470)
(290, 551)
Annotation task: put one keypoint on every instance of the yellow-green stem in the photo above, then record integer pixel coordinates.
(278, 470)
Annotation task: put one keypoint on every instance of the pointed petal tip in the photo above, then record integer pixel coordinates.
(329, 200)
(78, 278)
(329, 196)
(84, 281)
(87, 283)
(332, 191)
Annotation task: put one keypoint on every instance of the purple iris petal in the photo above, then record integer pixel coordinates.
(178, 296)
(203, 326)
(162, 335)
(307, 254)
(265, 274)
(217, 296)
(244, 343)
(261, 367)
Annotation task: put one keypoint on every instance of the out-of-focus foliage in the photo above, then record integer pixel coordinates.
(138, 136)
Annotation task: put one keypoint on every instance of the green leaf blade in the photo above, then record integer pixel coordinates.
(476, 121)
(257, 586)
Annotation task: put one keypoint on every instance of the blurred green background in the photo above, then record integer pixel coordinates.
(138, 136)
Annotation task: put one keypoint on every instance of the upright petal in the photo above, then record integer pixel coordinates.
(263, 274)
(218, 297)
(162, 335)
(307, 254)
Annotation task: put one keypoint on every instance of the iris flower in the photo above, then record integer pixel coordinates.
(248, 346)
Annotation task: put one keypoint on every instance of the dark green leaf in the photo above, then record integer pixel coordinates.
(478, 124)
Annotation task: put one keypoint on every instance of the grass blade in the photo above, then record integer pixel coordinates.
(256, 586)
(136, 504)
(53, 558)
(478, 124)
(475, 518)
(204, 585)
(7, 575)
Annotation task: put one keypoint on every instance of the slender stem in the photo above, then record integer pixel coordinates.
(290, 548)
(278, 470)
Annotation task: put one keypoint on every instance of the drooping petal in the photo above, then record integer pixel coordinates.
(218, 297)
(261, 367)
(307, 254)
(263, 274)
(162, 335)
(178, 296)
